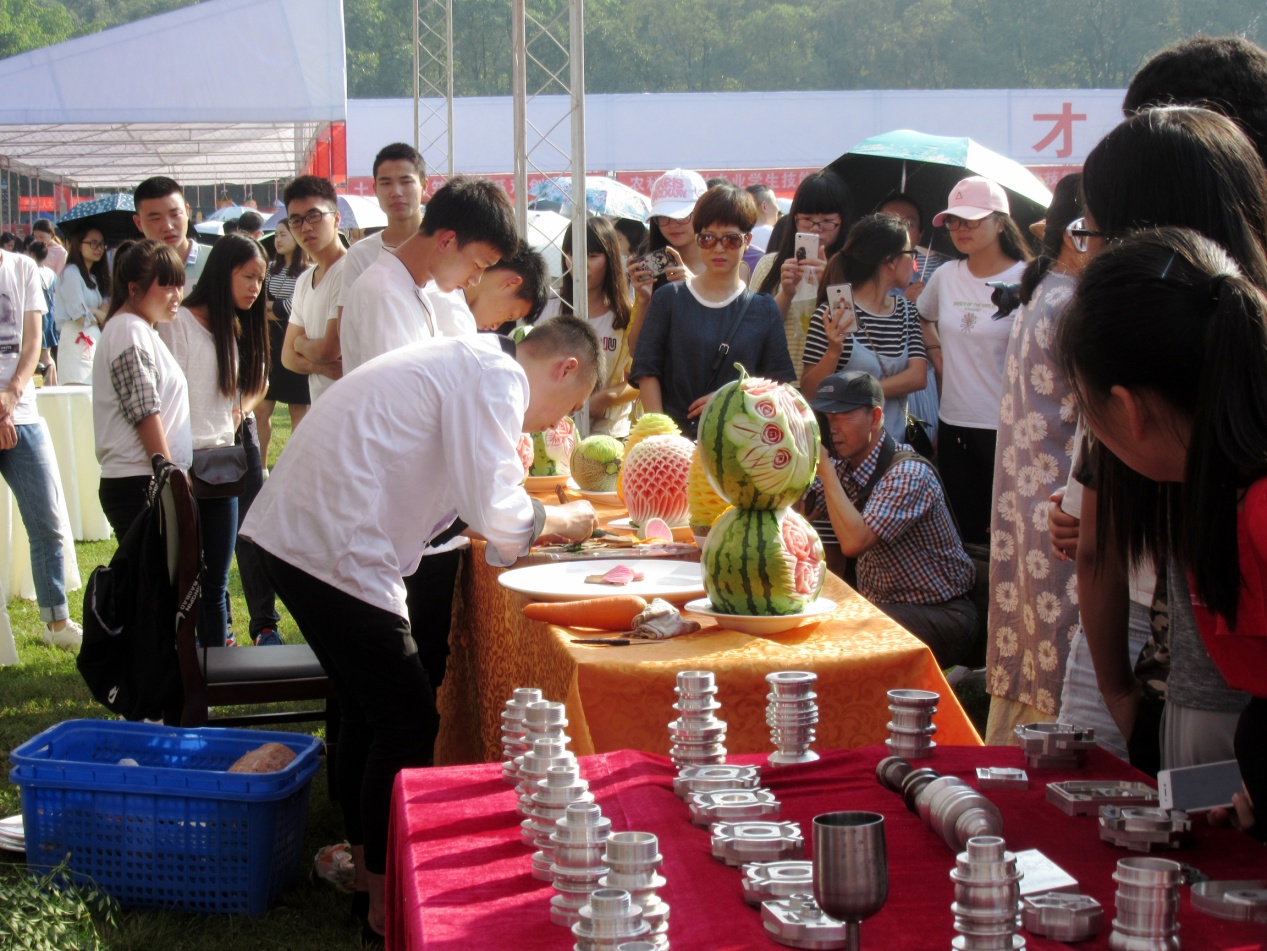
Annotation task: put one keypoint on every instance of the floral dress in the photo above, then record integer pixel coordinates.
(1033, 595)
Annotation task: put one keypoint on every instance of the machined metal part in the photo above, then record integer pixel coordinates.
(1236, 901)
(987, 896)
(923, 799)
(514, 743)
(638, 946)
(535, 765)
(1143, 829)
(608, 919)
(697, 736)
(1001, 777)
(791, 713)
(957, 814)
(737, 843)
(732, 804)
(798, 922)
(1147, 905)
(1043, 876)
(693, 779)
(914, 699)
(1054, 745)
(579, 842)
(1084, 797)
(765, 880)
(633, 859)
(561, 787)
(1062, 917)
(914, 782)
(911, 729)
(890, 772)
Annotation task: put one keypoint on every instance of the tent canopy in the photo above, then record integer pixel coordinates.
(225, 90)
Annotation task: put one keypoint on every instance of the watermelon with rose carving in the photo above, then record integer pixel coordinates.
(758, 443)
(654, 477)
(759, 562)
(552, 449)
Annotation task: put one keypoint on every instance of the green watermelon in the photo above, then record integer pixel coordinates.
(758, 443)
(762, 563)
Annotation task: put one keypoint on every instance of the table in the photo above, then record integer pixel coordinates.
(620, 698)
(458, 876)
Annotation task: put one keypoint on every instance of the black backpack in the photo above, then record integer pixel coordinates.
(131, 613)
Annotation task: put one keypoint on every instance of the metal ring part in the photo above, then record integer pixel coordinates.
(579, 841)
(608, 919)
(791, 713)
(732, 804)
(987, 896)
(737, 843)
(693, 779)
(1236, 901)
(513, 742)
(798, 922)
(1062, 917)
(1147, 904)
(765, 880)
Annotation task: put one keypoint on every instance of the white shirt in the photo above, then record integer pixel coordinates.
(453, 313)
(356, 262)
(20, 291)
(418, 437)
(133, 376)
(313, 308)
(383, 310)
(973, 345)
(193, 348)
(761, 237)
(195, 261)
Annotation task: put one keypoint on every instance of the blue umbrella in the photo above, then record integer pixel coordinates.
(111, 215)
(603, 196)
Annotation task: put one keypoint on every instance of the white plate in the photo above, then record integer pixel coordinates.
(598, 498)
(544, 483)
(675, 581)
(627, 525)
(751, 624)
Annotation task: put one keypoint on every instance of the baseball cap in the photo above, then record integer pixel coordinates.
(848, 390)
(675, 193)
(974, 198)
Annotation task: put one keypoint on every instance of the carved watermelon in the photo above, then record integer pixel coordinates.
(705, 504)
(762, 563)
(654, 477)
(649, 424)
(553, 448)
(759, 443)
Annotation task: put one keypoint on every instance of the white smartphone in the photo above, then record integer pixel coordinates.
(806, 246)
(839, 295)
(1199, 788)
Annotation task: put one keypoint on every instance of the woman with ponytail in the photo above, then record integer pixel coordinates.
(1166, 347)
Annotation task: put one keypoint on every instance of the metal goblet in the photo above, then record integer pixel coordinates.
(851, 868)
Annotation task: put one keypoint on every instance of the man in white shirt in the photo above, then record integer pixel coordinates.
(417, 438)
(162, 214)
(27, 462)
(311, 346)
(767, 215)
(512, 290)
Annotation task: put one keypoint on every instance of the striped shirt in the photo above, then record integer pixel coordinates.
(887, 335)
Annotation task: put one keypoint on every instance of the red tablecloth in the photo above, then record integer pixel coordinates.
(458, 877)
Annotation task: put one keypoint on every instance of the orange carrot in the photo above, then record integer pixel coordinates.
(613, 613)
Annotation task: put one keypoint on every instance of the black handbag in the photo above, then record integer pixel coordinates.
(218, 473)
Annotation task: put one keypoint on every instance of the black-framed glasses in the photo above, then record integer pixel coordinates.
(1080, 235)
(732, 241)
(954, 223)
(95, 245)
(911, 251)
(313, 218)
(818, 225)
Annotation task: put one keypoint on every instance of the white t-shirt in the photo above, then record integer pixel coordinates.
(193, 348)
(418, 437)
(133, 376)
(973, 344)
(356, 262)
(383, 310)
(20, 292)
(761, 237)
(313, 308)
(453, 313)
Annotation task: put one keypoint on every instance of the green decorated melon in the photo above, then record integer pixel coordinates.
(596, 463)
(758, 443)
(762, 563)
(552, 448)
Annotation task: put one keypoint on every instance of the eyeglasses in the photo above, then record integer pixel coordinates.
(95, 245)
(313, 218)
(1080, 234)
(911, 251)
(954, 223)
(663, 220)
(731, 242)
(806, 223)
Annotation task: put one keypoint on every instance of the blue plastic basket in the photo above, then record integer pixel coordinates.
(176, 831)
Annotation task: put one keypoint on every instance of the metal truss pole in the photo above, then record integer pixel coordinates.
(433, 79)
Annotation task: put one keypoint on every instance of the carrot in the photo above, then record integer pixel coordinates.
(613, 613)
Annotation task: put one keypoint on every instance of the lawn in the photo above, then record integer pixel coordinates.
(45, 689)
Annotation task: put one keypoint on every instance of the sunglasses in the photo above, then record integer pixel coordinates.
(1080, 235)
(731, 242)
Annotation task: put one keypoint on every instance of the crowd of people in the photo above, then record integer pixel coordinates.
(1097, 452)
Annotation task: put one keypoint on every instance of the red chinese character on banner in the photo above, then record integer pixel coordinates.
(1063, 127)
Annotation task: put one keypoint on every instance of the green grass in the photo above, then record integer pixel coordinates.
(45, 689)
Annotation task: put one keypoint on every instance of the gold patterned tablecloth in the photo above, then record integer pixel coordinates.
(621, 697)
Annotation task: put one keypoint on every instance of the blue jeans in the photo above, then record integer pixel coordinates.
(31, 471)
(218, 525)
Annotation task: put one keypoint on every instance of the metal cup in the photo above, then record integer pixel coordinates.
(851, 869)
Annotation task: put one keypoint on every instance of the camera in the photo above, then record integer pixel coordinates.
(1006, 297)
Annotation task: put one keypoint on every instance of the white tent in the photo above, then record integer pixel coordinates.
(225, 90)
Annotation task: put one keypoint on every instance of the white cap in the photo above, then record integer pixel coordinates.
(675, 193)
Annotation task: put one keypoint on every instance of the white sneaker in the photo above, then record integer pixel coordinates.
(68, 638)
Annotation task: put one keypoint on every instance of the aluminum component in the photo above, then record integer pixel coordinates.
(1042, 875)
(987, 896)
(923, 800)
(911, 729)
(1236, 901)
(693, 779)
(1142, 829)
(1062, 917)
(737, 843)
(791, 713)
(798, 922)
(914, 699)
(1054, 745)
(765, 880)
(608, 919)
(579, 841)
(914, 783)
(1147, 904)
(638, 946)
(1001, 777)
(697, 737)
(561, 787)
(544, 719)
(534, 767)
(907, 752)
(890, 772)
(958, 814)
(633, 858)
(1082, 797)
(514, 743)
(732, 804)
(695, 683)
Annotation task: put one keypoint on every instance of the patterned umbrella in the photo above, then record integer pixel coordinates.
(603, 196)
(111, 215)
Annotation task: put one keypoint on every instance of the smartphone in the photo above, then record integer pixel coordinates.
(806, 246)
(842, 294)
(1199, 788)
(656, 261)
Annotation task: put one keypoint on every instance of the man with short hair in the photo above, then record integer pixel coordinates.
(399, 175)
(162, 214)
(311, 346)
(886, 508)
(767, 215)
(514, 289)
(424, 436)
(56, 258)
(251, 223)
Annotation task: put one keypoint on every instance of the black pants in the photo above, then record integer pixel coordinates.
(1251, 754)
(261, 600)
(947, 628)
(387, 710)
(965, 459)
(429, 596)
(122, 500)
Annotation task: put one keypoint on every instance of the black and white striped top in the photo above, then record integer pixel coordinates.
(886, 336)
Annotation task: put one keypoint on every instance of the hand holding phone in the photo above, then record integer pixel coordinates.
(842, 314)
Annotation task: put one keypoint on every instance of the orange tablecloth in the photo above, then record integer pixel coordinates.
(621, 697)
